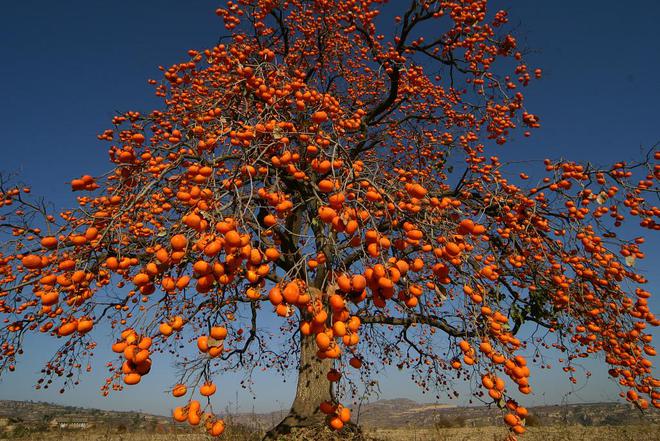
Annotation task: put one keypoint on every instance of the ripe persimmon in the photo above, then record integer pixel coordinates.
(179, 390)
(179, 242)
(207, 389)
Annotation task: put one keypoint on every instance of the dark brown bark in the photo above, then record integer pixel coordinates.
(312, 389)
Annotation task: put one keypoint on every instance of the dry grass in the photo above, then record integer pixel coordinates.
(131, 436)
(552, 433)
(79, 436)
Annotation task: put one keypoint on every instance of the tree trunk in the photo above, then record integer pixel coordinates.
(313, 388)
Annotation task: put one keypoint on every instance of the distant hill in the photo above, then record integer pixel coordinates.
(35, 416)
(398, 413)
(401, 412)
(32, 417)
(36, 411)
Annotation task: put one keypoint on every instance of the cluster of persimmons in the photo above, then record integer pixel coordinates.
(305, 170)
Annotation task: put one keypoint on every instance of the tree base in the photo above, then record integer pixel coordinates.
(316, 432)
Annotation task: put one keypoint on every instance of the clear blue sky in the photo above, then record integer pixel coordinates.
(67, 67)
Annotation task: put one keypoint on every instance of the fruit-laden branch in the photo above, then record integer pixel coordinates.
(413, 319)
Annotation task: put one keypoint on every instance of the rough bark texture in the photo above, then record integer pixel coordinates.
(312, 389)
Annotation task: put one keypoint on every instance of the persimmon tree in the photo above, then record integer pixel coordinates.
(341, 180)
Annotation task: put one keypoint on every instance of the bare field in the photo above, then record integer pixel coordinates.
(650, 432)
(120, 437)
(114, 437)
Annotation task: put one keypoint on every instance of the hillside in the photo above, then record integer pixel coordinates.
(399, 413)
(18, 418)
(403, 413)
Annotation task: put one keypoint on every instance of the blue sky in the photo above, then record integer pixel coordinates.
(69, 66)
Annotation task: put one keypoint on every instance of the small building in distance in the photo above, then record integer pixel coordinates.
(71, 423)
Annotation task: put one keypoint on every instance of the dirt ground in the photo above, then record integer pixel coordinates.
(551, 433)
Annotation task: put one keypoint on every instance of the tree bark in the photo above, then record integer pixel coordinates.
(313, 388)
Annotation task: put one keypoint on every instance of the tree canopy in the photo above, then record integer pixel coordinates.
(313, 167)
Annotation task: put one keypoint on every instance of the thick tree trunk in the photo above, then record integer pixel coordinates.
(313, 388)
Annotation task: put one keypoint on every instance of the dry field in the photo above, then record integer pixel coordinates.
(551, 433)
(649, 432)
(73, 436)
